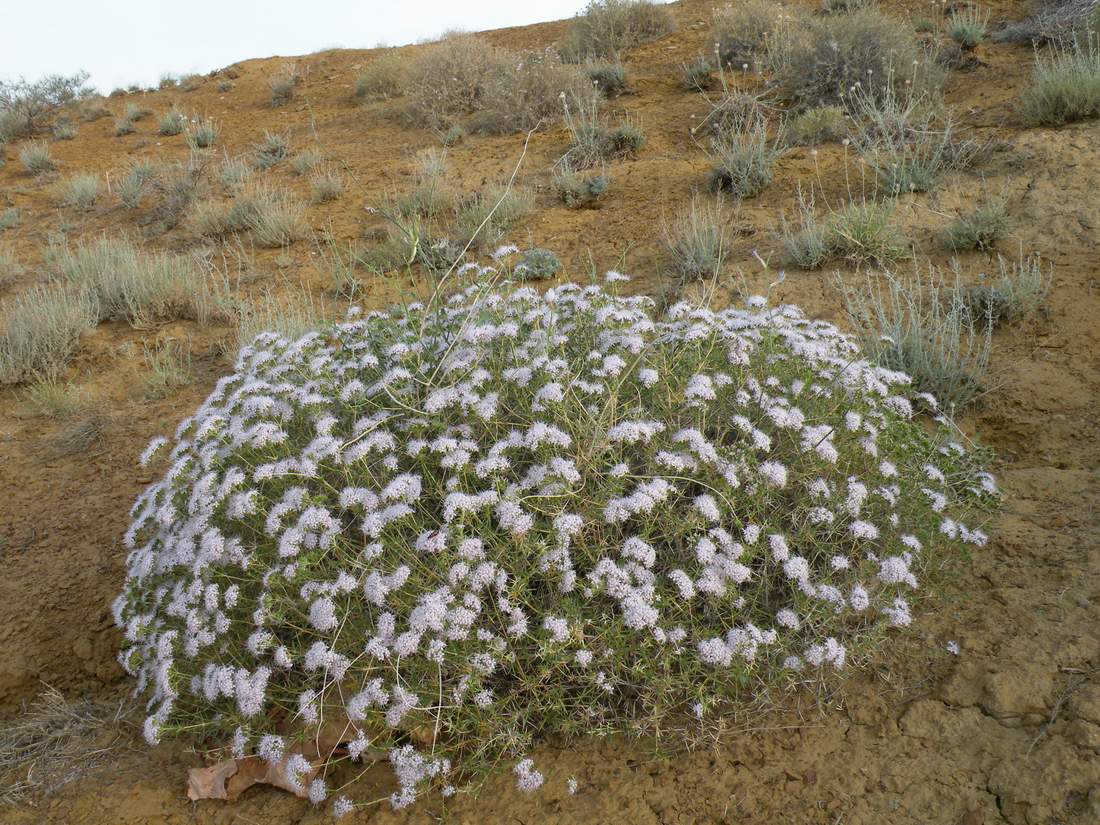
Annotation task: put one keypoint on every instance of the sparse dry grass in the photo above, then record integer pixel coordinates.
(606, 27)
(697, 239)
(40, 331)
(54, 742)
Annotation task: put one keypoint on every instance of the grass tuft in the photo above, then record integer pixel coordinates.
(1065, 85)
(697, 239)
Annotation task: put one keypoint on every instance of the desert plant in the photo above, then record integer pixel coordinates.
(40, 331)
(382, 78)
(609, 78)
(79, 192)
(10, 217)
(64, 129)
(698, 75)
(272, 216)
(482, 218)
(922, 326)
(606, 27)
(599, 549)
(51, 398)
(140, 288)
(175, 187)
(305, 161)
(742, 33)
(135, 183)
(536, 264)
(455, 133)
(282, 84)
(234, 172)
(821, 124)
(743, 160)
(525, 91)
(202, 134)
(190, 82)
(167, 81)
(1018, 289)
(593, 142)
(123, 126)
(819, 61)
(697, 239)
(270, 150)
(862, 231)
(35, 157)
(979, 229)
(1065, 84)
(808, 244)
(288, 316)
(449, 79)
(10, 268)
(967, 25)
(172, 122)
(168, 367)
(27, 107)
(134, 113)
(906, 138)
(576, 189)
(326, 185)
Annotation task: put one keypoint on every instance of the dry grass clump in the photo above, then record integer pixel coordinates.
(820, 61)
(233, 173)
(576, 189)
(10, 218)
(51, 398)
(383, 77)
(176, 186)
(821, 124)
(138, 287)
(860, 232)
(80, 435)
(203, 134)
(697, 239)
(272, 217)
(282, 84)
(698, 75)
(290, 316)
(79, 192)
(482, 218)
(168, 367)
(605, 27)
(135, 183)
(907, 138)
(35, 157)
(743, 160)
(981, 228)
(593, 141)
(124, 126)
(967, 26)
(1018, 289)
(41, 329)
(508, 91)
(55, 741)
(743, 33)
(922, 325)
(10, 268)
(64, 129)
(1065, 84)
(172, 122)
(609, 78)
(305, 161)
(326, 185)
(270, 150)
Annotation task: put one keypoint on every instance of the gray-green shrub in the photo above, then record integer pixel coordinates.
(172, 122)
(382, 78)
(79, 192)
(697, 240)
(980, 228)
(743, 160)
(536, 264)
(40, 331)
(1065, 84)
(606, 27)
(270, 150)
(923, 326)
(35, 157)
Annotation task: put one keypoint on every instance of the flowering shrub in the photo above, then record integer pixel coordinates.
(451, 530)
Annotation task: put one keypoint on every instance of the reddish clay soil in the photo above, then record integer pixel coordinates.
(1008, 731)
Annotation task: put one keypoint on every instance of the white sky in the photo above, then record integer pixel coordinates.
(122, 42)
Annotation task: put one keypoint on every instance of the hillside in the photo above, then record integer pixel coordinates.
(1006, 731)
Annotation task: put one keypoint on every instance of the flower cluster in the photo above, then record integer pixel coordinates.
(467, 518)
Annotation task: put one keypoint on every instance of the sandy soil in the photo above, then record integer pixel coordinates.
(1008, 731)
